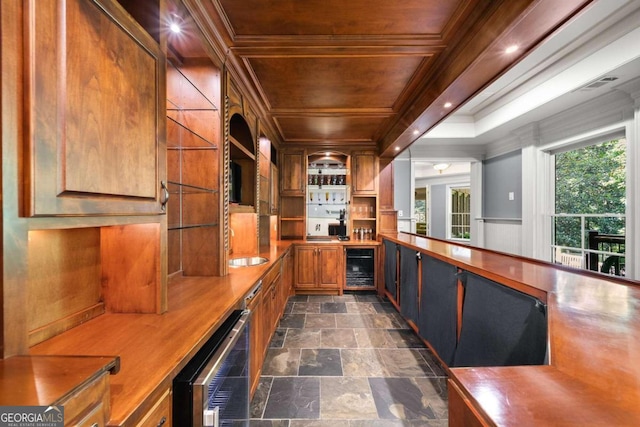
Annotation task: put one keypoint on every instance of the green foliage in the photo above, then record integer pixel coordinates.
(590, 180)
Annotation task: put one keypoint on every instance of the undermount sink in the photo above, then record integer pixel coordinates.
(249, 261)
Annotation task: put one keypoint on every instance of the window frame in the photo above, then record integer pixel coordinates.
(449, 218)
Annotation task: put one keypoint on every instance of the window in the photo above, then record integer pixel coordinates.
(459, 213)
(590, 205)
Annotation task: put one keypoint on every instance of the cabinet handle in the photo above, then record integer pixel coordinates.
(162, 421)
(165, 190)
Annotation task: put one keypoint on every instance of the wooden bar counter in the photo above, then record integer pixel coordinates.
(593, 376)
(153, 348)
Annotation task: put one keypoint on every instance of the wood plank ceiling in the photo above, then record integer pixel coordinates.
(369, 73)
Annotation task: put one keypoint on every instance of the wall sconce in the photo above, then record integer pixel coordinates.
(441, 166)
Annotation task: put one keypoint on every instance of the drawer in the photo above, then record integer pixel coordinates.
(90, 405)
(160, 414)
(96, 418)
(271, 275)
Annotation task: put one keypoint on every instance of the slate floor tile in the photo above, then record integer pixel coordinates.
(281, 362)
(362, 363)
(346, 398)
(338, 338)
(320, 321)
(303, 338)
(400, 398)
(293, 397)
(403, 362)
(333, 307)
(348, 361)
(320, 362)
(292, 321)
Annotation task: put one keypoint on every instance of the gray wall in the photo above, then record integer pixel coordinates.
(500, 176)
(439, 211)
(402, 188)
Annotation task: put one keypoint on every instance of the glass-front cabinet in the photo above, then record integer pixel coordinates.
(327, 195)
(319, 198)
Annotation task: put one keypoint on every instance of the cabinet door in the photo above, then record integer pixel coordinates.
(256, 340)
(500, 326)
(95, 133)
(293, 173)
(305, 271)
(409, 284)
(391, 268)
(439, 307)
(330, 271)
(364, 173)
(273, 195)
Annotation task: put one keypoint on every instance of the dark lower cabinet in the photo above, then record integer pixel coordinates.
(500, 326)
(391, 268)
(409, 284)
(438, 318)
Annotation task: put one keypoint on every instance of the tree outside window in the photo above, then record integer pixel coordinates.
(590, 203)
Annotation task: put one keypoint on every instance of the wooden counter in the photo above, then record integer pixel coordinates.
(154, 348)
(594, 344)
(46, 380)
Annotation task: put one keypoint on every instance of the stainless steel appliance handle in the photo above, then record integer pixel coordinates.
(213, 366)
(251, 295)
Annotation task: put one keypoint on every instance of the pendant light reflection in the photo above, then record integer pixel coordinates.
(441, 166)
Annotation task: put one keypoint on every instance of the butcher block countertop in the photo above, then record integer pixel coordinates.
(594, 339)
(153, 348)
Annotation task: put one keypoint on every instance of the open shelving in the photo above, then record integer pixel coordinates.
(193, 182)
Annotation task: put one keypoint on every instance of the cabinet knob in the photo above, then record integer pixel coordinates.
(162, 421)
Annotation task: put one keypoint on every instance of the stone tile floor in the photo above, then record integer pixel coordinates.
(348, 361)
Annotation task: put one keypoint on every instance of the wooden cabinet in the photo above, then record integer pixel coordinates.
(78, 383)
(319, 269)
(266, 308)
(293, 173)
(274, 195)
(461, 411)
(292, 194)
(160, 413)
(364, 191)
(94, 129)
(255, 305)
(89, 406)
(364, 173)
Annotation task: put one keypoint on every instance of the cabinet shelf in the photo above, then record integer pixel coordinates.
(186, 227)
(183, 93)
(240, 149)
(182, 135)
(195, 187)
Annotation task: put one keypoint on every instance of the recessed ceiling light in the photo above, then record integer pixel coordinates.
(511, 48)
(447, 105)
(397, 148)
(416, 131)
(175, 28)
(327, 154)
